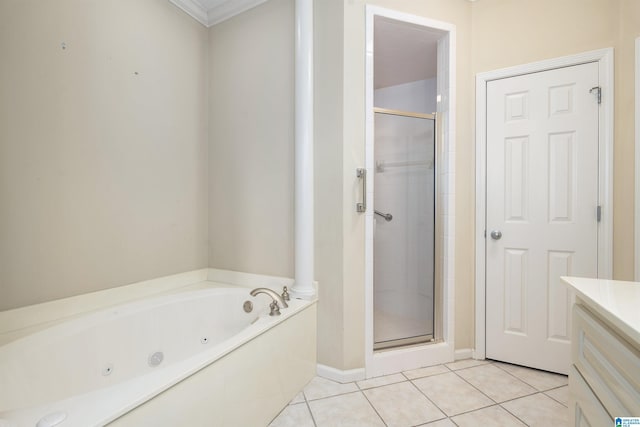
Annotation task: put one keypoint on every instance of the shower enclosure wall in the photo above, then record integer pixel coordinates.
(404, 207)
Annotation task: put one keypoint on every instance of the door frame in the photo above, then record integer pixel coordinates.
(403, 358)
(604, 58)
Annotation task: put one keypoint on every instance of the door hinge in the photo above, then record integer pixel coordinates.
(598, 91)
(599, 213)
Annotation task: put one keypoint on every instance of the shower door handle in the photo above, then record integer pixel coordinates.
(362, 174)
(387, 216)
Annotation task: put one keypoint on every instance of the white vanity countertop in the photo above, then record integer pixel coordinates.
(616, 301)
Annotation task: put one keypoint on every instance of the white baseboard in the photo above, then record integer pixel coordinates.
(340, 376)
(463, 353)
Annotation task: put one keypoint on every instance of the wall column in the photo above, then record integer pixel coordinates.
(304, 256)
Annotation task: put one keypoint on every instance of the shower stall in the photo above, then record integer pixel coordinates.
(410, 185)
(404, 228)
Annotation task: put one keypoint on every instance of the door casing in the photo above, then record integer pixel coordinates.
(397, 360)
(604, 58)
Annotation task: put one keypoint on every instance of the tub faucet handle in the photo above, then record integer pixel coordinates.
(275, 309)
(285, 294)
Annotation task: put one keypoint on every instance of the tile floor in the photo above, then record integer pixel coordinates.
(463, 393)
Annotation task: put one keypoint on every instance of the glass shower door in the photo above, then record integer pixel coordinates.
(404, 228)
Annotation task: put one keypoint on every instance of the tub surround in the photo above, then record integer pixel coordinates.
(604, 379)
(248, 389)
(23, 321)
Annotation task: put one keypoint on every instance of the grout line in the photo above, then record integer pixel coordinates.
(474, 410)
(480, 391)
(306, 402)
(556, 388)
(553, 398)
(279, 413)
(489, 362)
(556, 400)
(427, 376)
(375, 410)
(333, 395)
(535, 390)
(446, 416)
(518, 378)
(539, 392)
(516, 417)
(313, 420)
(378, 386)
(512, 399)
(532, 369)
(427, 397)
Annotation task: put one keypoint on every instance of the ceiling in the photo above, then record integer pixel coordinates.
(211, 12)
(403, 52)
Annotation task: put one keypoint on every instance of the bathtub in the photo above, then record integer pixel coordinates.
(193, 357)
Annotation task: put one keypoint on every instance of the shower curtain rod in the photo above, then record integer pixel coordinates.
(404, 113)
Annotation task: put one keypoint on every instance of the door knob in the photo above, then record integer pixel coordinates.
(496, 234)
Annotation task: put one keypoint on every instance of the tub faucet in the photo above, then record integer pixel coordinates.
(277, 299)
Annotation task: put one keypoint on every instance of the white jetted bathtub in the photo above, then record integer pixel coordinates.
(189, 358)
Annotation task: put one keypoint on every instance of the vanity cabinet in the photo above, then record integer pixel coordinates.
(604, 379)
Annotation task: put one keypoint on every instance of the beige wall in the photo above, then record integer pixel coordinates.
(629, 30)
(329, 208)
(251, 141)
(507, 32)
(102, 146)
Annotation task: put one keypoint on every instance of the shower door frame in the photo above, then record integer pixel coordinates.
(382, 362)
(426, 338)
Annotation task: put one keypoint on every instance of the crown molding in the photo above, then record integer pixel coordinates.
(194, 9)
(212, 16)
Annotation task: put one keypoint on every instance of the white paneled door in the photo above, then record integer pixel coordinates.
(542, 210)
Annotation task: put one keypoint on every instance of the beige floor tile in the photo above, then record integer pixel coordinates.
(560, 394)
(496, 383)
(297, 415)
(452, 394)
(441, 423)
(380, 381)
(402, 405)
(346, 410)
(493, 416)
(425, 372)
(540, 380)
(466, 363)
(539, 410)
(320, 388)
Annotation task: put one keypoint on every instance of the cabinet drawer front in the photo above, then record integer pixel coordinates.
(585, 408)
(608, 364)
